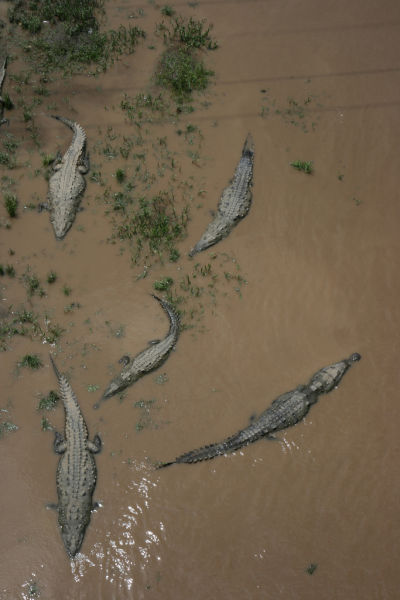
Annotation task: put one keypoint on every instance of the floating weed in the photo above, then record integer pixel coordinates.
(52, 277)
(120, 175)
(48, 402)
(163, 284)
(53, 333)
(295, 112)
(48, 159)
(72, 35)
(6, 426)
(117, 332)
(167, 11)
(311, 568)
(8, 103)
(46, 425)
(182, 73)
(190, 33)
(145, 420)
(11, 204)
(31, 361)
(93, 387)
(154, 225)
(161, 378)
(301, 165)
(8, 270)
(71, 307)
(32, 283)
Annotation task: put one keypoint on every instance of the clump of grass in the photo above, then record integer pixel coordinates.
(301, 165)
(7, 270)
(120, 175)
(66, 290)
(163, 284)
(11, 204)
(180, 69)
(311, 568)
(167, 11)
(46, 425)
(53, 333)
(52, 277)
(7, 427)
(72, 36)
(144, 107)
(48, 402)
(182, 73)
(7, 102)
(32, 283)
(154, 223)
(145, 419)
(31, 361)
(47, 160)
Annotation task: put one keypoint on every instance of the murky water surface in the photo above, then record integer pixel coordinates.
(315, 515)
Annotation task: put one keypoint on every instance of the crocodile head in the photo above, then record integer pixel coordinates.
(61, 226)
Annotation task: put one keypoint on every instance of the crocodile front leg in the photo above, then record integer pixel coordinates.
(59, 445)
(95, 446)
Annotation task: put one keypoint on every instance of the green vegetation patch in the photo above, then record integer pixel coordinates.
(11, 204)
(31, 361)
(48, 402)
(154, 225)
(6, 426)
(65, 34)
(163, 284)
(27, 323)
(182, 73)
(181, 70)
(301, 165)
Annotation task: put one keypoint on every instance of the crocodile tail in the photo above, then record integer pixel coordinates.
(200, 454)
(172, 315)
(66, 122)
(56, 371)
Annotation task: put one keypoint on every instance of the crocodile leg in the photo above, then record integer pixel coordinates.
(95, 446)
(84, 165)
(59, 445)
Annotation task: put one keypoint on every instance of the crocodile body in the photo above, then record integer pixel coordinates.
(2, 77)
(67, 184)
(285, 411)
(234, 203)
(147, 360)
(76, 472)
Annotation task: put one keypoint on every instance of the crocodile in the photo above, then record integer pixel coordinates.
(147, 360)
(234, 203)
(76, 472)
(285, 411)
(2, 103)
(67, 183)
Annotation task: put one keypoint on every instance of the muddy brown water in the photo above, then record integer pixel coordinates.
(321, 257)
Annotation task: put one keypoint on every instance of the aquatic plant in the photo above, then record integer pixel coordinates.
(163, 284)
(180, 68)
(48, 402)
(31, 361)
(51, 277)
(300, 165)
(11, 204)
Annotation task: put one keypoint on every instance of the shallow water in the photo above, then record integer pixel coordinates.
(320, 255)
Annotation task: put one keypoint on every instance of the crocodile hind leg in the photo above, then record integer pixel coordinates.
(95, 446)
(84, 165)
(59, 445)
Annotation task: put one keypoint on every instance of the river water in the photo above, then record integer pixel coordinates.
(315, 515)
